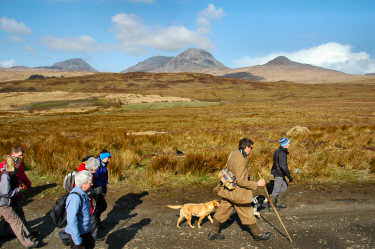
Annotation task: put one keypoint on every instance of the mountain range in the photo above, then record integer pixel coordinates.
(278, 69)
(200, 61)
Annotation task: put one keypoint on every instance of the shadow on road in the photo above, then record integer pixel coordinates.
(269, 223)
(121, 211)
(121, 237)
(27, 196)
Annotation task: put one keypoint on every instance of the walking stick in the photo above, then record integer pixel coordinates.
(269, 199)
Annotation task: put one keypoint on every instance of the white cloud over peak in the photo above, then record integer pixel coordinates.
(8, 63)
(82, 43)
(13, 27)
(136, 37)
(330, 55)
(205, 16)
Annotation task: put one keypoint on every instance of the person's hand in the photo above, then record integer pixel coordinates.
(108, 185)
(261, 183)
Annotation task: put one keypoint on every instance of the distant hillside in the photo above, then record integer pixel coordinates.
(283, 69)
(152, 64)
(243, 76)
(76, 64)
(370, 74)
(22, 73)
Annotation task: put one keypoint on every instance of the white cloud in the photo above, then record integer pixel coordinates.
(73, 44)
(136, 37)
(29, 49)
(9, 63)
(16, 38)
(330, 55)
(205, 16)
(13, 27)
(142, 1)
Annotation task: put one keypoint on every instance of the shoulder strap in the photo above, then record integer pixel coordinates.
(80, 196)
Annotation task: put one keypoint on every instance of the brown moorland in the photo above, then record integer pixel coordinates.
(340, 146)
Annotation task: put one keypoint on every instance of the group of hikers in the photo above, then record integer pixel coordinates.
(83, 206)
(85, 201)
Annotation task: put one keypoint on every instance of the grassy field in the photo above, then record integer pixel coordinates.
(340, 146)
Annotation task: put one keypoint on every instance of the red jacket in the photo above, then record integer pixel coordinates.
(23, 180)
(80, 168)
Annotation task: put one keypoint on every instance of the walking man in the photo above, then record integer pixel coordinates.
(240, 197)
(280, 170)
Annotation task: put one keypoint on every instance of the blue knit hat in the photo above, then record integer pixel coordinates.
(284, 141)
(105, 155)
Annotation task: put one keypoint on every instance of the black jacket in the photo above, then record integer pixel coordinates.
(280, 163)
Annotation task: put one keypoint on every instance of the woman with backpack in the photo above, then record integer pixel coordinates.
(9, 190)
(78, 213)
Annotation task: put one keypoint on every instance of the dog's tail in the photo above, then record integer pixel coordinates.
(175, 207)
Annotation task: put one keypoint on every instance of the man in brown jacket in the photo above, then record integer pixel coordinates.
(240, 197)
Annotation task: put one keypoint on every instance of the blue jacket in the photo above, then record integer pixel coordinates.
(78, 214)
(101, 175)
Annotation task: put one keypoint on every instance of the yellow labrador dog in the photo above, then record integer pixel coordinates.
(200, 210)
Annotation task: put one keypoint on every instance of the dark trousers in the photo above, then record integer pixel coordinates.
(87, 242)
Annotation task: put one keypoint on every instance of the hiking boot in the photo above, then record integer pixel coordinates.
(36, 244)
(280, 206)
(258, 234)
(215, 231)
(280, 200)
(262, 236)
(274, 200)
(213, 236)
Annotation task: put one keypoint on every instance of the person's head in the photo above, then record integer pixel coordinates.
(17, 151)
(284, 142)
(246, 145)
(83, 179)
(12, 163)
(92, 165)
(105, 156)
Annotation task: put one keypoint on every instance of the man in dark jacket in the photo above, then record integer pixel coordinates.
(280, 170)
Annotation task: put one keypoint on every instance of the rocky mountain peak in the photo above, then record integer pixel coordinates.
(193, 60)
(280, 61)
(76, 64)
(155, 63)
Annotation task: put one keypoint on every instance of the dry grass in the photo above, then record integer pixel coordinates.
(339, 147)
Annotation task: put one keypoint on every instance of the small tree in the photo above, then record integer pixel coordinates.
(35, 76)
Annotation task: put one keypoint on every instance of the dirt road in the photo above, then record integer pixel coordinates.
(315, 218)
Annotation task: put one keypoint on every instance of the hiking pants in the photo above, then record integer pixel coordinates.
(87, 242)
(19, 211)
(245, 212)
(279, 186)
(16, 224)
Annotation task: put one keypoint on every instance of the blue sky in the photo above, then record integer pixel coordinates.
(112, 35)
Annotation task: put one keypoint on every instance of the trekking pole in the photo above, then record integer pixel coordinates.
(269, 199)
